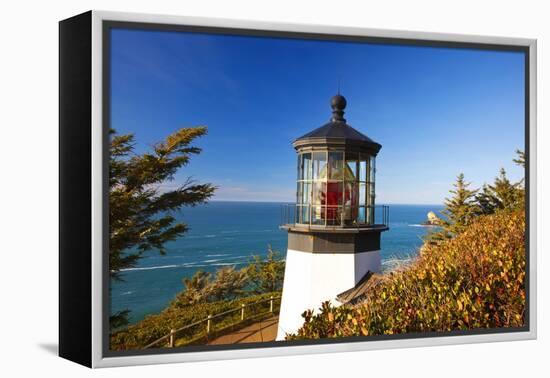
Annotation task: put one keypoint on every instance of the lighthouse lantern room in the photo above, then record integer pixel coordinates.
(334, 228)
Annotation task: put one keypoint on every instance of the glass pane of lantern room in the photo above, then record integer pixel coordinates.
(319, 165)
(334, 216)
(334, 194)
(371, 194)
(370, 218)
(298, 213)
(307, 166)
(372, 170)
(349, 215)
(350, 173)
(336, 165)
(334, 198)
(304, 215)
(362, 194)
(369, 215)
(318, 215)
(306, 193)
(319, 193)
(363, 168)
(304, 166)
(299, 167)
(351, 198)
(361, 216)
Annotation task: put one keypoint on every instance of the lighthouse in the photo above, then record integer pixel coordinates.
(334, 228)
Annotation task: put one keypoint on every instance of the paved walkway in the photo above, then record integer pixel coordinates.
(266, 330)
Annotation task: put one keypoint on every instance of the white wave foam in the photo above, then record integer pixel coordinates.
(393, 263)
(203, 263)
(187, 265)
(397, 261)
(225, 264)
(211, 261)
(200, 236)
(149, 268)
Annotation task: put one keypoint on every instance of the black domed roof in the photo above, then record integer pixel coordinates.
(337, 131)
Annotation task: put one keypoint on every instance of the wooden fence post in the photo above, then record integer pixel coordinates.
(172, 337)
(208, 324)
(242, 311)
(271, 304)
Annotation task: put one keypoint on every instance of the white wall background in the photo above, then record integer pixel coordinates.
(28, 186)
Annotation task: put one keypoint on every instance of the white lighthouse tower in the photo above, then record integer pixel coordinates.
(333, 234)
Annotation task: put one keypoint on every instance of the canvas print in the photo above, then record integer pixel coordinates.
(269, 190)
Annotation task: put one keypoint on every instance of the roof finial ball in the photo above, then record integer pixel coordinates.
(338, 104)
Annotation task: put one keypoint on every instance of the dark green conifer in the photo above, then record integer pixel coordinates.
(502, 194)
(520, 160)
(266, 275)
(141, 205)
(460, 211)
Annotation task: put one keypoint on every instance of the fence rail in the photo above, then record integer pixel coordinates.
(170, 338)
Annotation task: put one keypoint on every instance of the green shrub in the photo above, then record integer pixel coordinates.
(202, 296)
(476, 280)
(263, 274)
(154, 327)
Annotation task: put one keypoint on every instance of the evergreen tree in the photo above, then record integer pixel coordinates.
(502, 194)
(520, 160)
(266, 275)
(460, 211)
(261, 275)
(465, 204)
(228, 283)
(521, 192)
(486, 200)
(197, 288)
(140, 210)
(506, 193)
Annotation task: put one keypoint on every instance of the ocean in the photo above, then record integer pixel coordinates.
(229, 233)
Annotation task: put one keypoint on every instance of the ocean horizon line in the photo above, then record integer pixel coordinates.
(291, 202)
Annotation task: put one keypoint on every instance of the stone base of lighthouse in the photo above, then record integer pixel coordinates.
(318, 268)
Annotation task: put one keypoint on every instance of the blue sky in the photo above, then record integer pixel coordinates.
(436, 111)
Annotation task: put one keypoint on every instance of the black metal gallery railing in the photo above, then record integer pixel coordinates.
(335, 216)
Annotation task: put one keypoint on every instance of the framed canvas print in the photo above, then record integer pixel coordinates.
(233, 189)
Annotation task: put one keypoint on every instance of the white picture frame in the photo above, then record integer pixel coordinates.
(97, 356)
